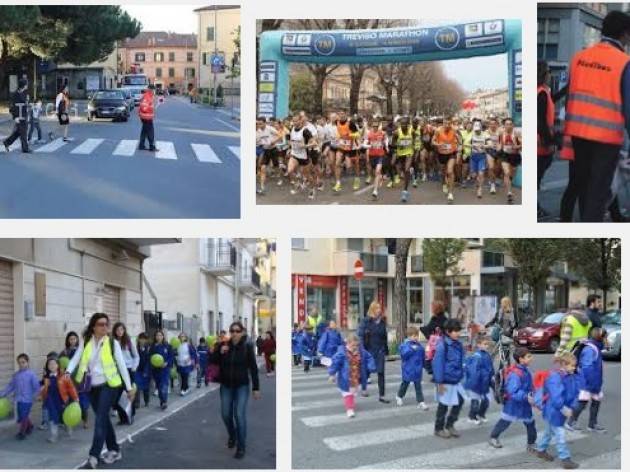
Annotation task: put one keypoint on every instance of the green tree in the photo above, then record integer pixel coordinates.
(303, 95)
(534, 258)
(441, 258)
(400, 286)
(598, 262)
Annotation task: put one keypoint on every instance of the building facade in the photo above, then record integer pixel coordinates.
(203, 285)
(168, 59)
(265, 302)
(218, 27)
(488, 103)
(323, 277)
(49, 287)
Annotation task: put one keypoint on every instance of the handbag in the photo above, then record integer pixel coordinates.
(212, 373)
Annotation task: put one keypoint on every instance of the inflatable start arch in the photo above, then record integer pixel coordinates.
(377, 46)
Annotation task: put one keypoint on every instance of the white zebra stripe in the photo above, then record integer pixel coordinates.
(52, 146)
(126, 147)
(88, 146)
(236, 150)
(166, 150)
(205, 153)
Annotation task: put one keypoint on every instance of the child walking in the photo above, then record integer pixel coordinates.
(307, 346)
(57, 392)
(296, 335)
(560, 393)
(590, 372)
(143, 372)
(33, 118)
(71, 346)
(269, 349)
(412, 357)
(161, 375)
(186, 362)
(479, 379)
(24, 387)
(203, 354)
(329, 342)
(518, 400)
(352, 364)
(448, 372)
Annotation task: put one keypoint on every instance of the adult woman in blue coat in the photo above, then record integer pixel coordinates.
(373, 334)
(352, 364)
(330, 341)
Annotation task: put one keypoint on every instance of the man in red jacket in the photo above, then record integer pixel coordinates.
(146, 111)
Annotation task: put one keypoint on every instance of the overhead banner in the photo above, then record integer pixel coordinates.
(386, 42)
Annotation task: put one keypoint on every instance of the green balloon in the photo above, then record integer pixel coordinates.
(210, 340)
(5, 407)
(175, 343)
(157, 360)
(72, 414)
(173, 372)
(272, 358)
(63, 363)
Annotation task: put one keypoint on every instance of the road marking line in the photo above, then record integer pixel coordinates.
(603, 460)
(87, 146)
(236, 150)
(205, 153)
(225, 134)
(166, 150)
(229, 125)
(392, 435)
(126, 147)
(464, 456)
(341, 418)
(316, 404)
(322, 391)
(364, 189)
(52, 146)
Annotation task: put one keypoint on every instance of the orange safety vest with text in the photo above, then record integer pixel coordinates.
(145, 110)
(345, 140)
(594, 104)
(545, 150)
(446, 140)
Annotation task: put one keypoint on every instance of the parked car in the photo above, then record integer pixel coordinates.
(108, 104)
(542, 334)
(172, 91)
(611, 322)
(131, 103)
(136, 92)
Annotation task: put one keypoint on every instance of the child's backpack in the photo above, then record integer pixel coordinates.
(429, 351)
(500, 394)
(540, 398)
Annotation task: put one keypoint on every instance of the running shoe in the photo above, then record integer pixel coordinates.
(356, 185)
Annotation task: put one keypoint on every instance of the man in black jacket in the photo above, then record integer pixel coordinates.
(19, 112)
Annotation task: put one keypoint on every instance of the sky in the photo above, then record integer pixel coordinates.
(178, 18)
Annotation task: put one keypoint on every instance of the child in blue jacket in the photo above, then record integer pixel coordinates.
(330, 341)
(142, 376)
(352, 364)
(518, 400)
(24, 386)
(296, 334)
(203, 355)
(590, 372)
(161, 375)
(412, 362)
(307, 347)
(479, 378)
(560, 392)
(448, 372)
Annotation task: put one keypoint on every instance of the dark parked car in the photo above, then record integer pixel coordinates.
(108, 104)
(542, 334)
(611, 322)
(129, 98)
(172, 91)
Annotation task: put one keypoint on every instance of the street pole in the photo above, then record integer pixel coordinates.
(34, 79)
(214, 83)
(361, 313)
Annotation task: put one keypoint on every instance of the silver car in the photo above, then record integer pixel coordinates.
(611, 322)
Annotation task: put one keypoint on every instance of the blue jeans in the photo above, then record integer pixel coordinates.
(161, 383)
(504, 424)
(102, 399)
(234, 412)
(558, 433)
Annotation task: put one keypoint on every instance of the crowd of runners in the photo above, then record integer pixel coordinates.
(307, 154)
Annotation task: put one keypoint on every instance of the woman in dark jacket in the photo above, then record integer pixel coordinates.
(237, 363)
(373, 335)
(438, 319)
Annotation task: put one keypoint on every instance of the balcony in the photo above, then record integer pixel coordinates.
(375, 262)
(248, 279)
(221, 259)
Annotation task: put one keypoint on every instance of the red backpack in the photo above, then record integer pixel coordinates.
(503, 395)
(434, 339)
(540, 377)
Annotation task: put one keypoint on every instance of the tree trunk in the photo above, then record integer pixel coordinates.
(320, 77)
(399, 100)
(604, 255)
(389, 100)
(356, 77)
(400, 287)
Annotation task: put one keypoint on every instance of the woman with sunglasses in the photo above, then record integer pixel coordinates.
(237, 363)
(99, 367)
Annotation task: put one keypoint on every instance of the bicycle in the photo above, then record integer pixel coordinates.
(501, 355)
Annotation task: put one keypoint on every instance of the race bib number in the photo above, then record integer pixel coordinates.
(447, 148)
(404, 142)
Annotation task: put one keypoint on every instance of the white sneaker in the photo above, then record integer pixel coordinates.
(399, 401)
(350, 413)
(423, 406)
(112, 456)
(493, 188)
(483, 419)
(470, 421)
(450, 198)
(444, 188)
(91, 463)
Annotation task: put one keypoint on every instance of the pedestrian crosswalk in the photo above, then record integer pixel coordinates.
(167, 150)
(386, 436)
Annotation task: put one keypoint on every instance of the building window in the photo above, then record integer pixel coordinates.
(158, 72)
(171, 72)
(548, 38)
(417, 263)
(493, 259)
(210, 33)
(171, 57)
(298, 243)
(415, 307)
(40, 294)
(139, 57)
(158, 57)
(355, 244)
(190, 72)
(189, 56)
(324, 300)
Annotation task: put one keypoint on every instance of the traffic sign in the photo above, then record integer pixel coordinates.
(358, 269)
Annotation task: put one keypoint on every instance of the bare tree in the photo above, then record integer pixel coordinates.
(400, 286)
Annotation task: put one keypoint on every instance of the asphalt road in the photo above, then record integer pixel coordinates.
(195, 437)
(195, 174)
(391, 437)
(427, 193)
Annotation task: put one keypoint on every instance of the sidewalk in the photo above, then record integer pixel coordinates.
(36, 453)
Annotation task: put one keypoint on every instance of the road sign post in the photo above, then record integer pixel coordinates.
(358, 275)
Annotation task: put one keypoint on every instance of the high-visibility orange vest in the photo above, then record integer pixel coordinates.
(145, 110)
(594, 103)
(545, 150)
(566, 152)
(446, 137)
(345, 140)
